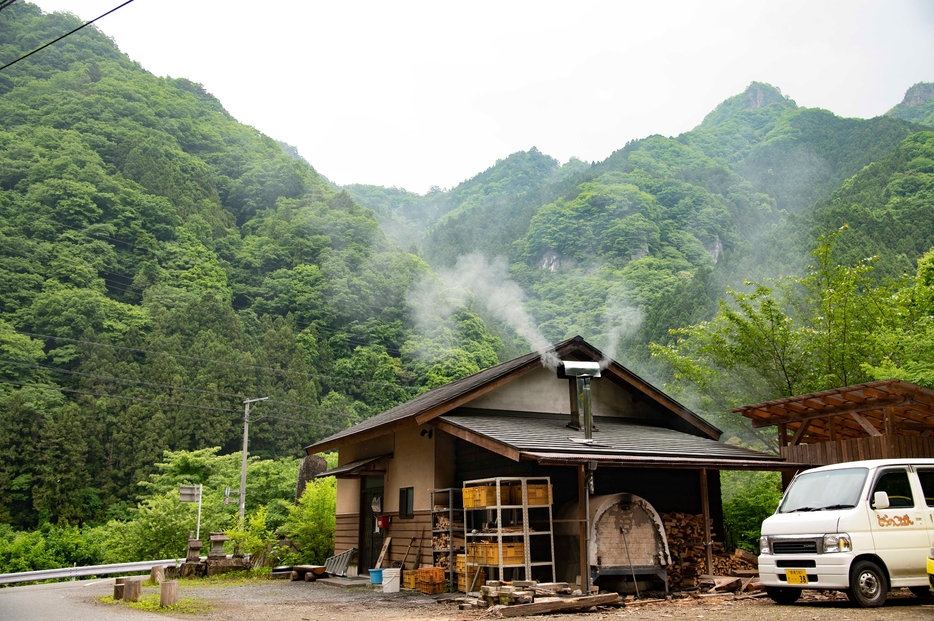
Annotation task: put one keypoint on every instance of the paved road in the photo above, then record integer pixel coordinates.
(66, 601)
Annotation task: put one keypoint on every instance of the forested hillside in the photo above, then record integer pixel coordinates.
(161, 262)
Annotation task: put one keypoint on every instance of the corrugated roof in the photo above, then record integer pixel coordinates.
(550, 435)
(445, 398)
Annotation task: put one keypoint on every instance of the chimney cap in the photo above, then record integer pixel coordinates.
(573, 368)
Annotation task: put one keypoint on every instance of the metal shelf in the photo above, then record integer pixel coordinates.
(449, 500)
(519, 514)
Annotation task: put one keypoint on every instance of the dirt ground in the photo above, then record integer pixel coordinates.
(299, 601)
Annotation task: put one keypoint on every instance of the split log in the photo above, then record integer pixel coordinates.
(157, 574)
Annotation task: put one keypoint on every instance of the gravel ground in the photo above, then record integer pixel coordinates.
(299, 601)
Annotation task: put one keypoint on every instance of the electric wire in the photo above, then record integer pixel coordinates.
(111, 396)
(117, 380)
(5, 3)
(273, 370)
(42, 47)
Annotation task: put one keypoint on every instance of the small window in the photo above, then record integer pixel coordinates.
(895, 483)
(406, 502)
(927, 485)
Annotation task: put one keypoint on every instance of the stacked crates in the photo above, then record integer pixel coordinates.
(431, 580)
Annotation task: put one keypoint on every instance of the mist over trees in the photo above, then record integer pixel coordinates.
(162, 262)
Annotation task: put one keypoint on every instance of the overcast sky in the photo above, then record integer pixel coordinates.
(415, 94)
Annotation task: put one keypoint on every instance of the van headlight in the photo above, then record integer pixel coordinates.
(837, 543)
(765, 548)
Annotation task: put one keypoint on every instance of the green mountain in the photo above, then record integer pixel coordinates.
(161, 263)
(648, 238)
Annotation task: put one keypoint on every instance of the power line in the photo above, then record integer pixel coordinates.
(42, 47)
(110, 396)
(118, 380)
(224, 362)
(5, 3)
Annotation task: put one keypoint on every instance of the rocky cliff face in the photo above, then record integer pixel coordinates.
(918, 104)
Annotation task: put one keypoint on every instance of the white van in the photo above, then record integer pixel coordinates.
(863, 527)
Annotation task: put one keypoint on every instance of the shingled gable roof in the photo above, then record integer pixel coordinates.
(443, 399)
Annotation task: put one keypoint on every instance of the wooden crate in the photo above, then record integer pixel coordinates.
(432, 588)
(410, 579)
(465, 580)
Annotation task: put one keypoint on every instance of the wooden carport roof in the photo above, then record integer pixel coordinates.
(887, 407)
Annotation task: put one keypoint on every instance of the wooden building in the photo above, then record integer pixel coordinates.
(877, 420)
(518, 419)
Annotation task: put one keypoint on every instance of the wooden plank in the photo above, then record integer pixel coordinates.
(382, 553)
(576, 603)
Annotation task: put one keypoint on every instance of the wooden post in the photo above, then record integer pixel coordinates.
(132, 589)
(832, 423)
(118, 587)
(888, 451)
(583, 514)
(157, 574)
(782, 435)
(705, 509)
(168, 593)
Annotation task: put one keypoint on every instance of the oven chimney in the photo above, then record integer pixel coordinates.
(579, 375)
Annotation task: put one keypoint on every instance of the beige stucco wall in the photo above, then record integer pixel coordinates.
(348, 490)
(542, 391)
(413, 464)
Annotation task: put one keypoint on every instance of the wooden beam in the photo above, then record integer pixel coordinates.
(447, 406)
(473, 438)
(802, 429)
(705, 509)
(540, 608)
(583, 515)
(853, 408)
(865, 424)
(912, 426)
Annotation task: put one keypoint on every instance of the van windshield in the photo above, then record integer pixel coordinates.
(824, 491)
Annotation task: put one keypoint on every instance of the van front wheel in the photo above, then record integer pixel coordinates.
(868, 585)
(781, 595)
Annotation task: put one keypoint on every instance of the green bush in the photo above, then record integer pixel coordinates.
(748, 498)
(311, 522)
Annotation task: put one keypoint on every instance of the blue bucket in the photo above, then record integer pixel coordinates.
(376, 576)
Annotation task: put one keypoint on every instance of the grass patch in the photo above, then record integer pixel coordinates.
(150, 603)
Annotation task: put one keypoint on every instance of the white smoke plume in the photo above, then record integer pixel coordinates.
(491, 286)
(623, 320)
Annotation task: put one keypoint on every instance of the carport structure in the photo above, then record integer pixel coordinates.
(877, 420)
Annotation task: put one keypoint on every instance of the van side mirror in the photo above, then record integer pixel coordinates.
(880, 500)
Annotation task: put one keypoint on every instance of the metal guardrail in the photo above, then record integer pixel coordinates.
(77, 572)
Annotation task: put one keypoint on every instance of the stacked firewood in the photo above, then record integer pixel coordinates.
(442, 522)
(685, 533)
(686, 536)
(443, 560)
(441, 541)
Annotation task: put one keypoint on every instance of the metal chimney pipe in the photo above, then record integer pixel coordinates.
(580, 373)
(588, 407)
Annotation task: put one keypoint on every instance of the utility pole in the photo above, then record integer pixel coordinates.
(246, 435)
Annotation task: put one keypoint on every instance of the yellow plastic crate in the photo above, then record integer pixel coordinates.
(513, 553)
(431, 574)
(432, 588)
(538, 494)
(464, 581)
(410, 579)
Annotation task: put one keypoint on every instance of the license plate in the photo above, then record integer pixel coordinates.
(796, 576)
